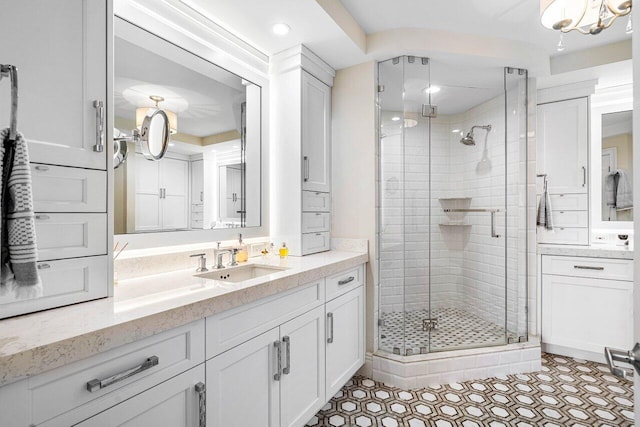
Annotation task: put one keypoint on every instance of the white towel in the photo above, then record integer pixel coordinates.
(17, 233)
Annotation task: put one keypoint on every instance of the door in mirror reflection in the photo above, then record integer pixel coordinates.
(617, 166)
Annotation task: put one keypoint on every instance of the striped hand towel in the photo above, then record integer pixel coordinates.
(18, 235)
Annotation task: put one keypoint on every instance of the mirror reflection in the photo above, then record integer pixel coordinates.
(209, 176)
(617, 166)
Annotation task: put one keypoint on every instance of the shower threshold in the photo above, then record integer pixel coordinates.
(421, 332)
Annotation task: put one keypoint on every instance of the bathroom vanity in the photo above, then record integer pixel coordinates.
(191, 351)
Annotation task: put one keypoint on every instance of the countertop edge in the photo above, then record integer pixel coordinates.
(38, 359)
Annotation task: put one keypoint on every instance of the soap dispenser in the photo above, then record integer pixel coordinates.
(284, 251)
(243, 253)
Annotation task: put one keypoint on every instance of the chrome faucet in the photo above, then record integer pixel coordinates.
(219, 255)
(202, 263)
(233, 261)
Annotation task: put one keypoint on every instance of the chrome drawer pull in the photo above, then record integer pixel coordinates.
(95, 385)
(201, 389)
(345, 281)
(330, 337)
(43, 266)
(42, 168)
(43, 217)
(587, 267)
(287, 368)
(278, 348)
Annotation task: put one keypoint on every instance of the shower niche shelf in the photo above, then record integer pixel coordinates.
(455, 235)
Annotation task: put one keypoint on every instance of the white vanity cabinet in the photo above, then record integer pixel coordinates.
(301, 151)
(563, 146)
(174, 403)
(587, 305)
(61, 58)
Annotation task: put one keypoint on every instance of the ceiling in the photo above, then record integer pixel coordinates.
(320, 25)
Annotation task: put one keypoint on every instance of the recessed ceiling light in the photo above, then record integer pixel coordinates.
(395, 118)
(432, 89)
(455, 131)
(280, 29)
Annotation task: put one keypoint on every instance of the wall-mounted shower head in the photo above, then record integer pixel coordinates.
(469, 139)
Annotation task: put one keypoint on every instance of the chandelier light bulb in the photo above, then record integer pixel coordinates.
(560, 46)
(629, 28)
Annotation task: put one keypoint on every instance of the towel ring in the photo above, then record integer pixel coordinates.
(11, 71)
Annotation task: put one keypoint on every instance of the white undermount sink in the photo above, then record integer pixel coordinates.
(241, 273)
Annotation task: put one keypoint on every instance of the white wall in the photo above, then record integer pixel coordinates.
(353, 177)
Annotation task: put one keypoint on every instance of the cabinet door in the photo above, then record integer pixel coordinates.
(147, 185)
(302, 389)
(316, 134)
(172, 403)
(345, 339)
(563, 132)
(241, 388)
(61, 58)
(174, 179)
(586, 314)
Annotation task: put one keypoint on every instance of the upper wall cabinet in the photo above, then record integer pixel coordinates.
(563, 130)
(301, 151)
(59, 48)
(316, 134)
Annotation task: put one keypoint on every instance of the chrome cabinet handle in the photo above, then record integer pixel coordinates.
(43, 217)
(584, 176)
(287, 342)
(202, 196)
(306, 168)
(588, 267)
(96, 384)
(201, 389)
(42, 168)
(493, 225)
(347, 280)
(330, 319)
(43, 266)
(99, 106)
(278, 349)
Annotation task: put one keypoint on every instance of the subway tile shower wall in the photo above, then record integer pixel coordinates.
(417, 253)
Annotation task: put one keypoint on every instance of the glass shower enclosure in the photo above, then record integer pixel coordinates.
(452, 206)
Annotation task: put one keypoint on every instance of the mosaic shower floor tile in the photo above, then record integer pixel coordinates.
(566, 392)
(404, 332)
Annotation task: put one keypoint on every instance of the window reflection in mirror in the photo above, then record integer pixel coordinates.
(617, 166)
(210, 175)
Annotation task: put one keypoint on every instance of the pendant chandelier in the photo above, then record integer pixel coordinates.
(584, 16)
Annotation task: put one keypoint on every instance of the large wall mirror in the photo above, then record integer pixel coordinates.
(210, 175)
(612, 159)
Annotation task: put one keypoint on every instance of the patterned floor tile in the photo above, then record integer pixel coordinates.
(566, 392)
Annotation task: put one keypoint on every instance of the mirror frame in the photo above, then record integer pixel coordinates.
(237, 58)
(605, 101)
(145, 134)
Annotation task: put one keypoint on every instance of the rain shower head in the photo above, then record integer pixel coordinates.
(469, 139)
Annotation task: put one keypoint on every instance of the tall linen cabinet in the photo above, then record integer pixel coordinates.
(300, 170)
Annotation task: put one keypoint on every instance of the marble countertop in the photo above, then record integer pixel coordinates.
(142, 307)
(597, 251)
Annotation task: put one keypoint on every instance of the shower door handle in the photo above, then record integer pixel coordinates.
(493, 225)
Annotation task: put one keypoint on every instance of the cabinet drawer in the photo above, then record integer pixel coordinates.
(231, 328)
(64, 389)
(64, 282)
(569, 202)
(564, 236)
(66, 189)
(600, 268)
(316, 201)
(314, 222)
(62, 236)
(344, 281)
(575, 219)
(315, 242)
